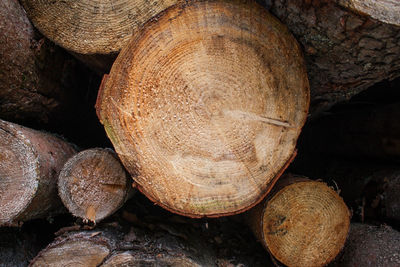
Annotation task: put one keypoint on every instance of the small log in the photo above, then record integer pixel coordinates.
(96, 31)
(371, 246)
(117, 247)
(206, 105)
(302, 222)
(37, 78)
(30, 162)
(345, 51)
(93, 184)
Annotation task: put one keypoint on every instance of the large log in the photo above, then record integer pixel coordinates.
(117, 247)
(37, 78)
(302, 222)
(30, 162)
(93, 184)
(371, 246)
(345, 51)
(205, 104)
(94, 31)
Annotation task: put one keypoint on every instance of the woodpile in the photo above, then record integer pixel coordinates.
(204, 108)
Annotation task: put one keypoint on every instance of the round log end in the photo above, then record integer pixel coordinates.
(305, 224)
(19, 169)
(92, 27)
(205, 105)
(93, 184)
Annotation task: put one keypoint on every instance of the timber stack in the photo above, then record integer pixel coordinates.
(204, 102)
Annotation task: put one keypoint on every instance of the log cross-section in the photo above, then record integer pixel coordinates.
(205, 104)
(93, 184)
(95, 31)
(29, 165)
(302, 222)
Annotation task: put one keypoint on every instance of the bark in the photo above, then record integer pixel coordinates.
(94, 32)
(93, 184)
(345, 52)
(302, 222)
(369, 245)
(37, 78)
(113, 246)
(29, 165)
(207, 94)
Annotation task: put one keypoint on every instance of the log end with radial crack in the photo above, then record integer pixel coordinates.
(93, 184)
(211, 96)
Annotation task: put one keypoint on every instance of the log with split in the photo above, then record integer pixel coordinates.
(204, 106)
(93, 184)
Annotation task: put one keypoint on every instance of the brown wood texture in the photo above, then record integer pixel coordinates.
(37, 78)
(302, 222)
(29, 165)
(110, 246)
(345, 51)
(370, 246)
(95, 31)
(93, 184)
(205, 106)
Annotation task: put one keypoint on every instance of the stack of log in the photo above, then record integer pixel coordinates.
(203, 103)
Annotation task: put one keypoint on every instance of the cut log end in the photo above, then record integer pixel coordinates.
(29, 165)
(92, 28)
(18, 172)
(304, 223)
(93, 184)
(210, 96)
